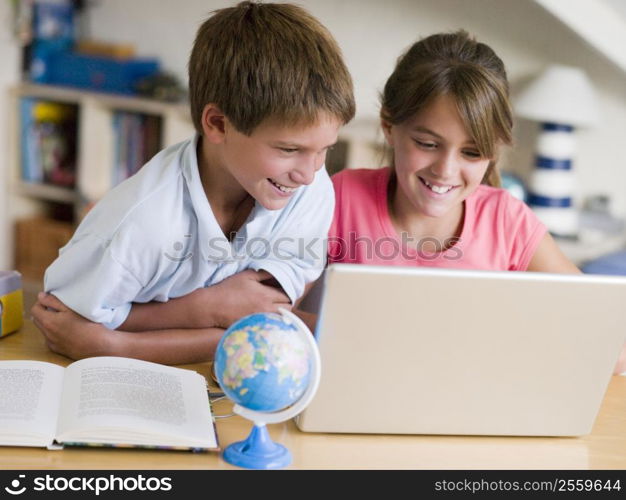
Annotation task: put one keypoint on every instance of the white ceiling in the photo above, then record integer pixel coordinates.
(619, 6)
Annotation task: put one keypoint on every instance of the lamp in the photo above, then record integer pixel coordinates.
(561, 99)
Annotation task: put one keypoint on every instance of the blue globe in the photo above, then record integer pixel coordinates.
(262, 364)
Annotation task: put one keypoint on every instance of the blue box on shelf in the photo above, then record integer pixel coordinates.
(97, 73)
(53, 22)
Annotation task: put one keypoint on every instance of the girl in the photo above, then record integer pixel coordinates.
(445, 114)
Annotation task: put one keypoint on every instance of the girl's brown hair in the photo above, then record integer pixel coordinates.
(455, 64)
(267, 60)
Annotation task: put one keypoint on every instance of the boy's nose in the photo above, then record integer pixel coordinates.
(305, 173)
(302, 176)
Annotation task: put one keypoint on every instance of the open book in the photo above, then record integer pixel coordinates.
(104, 401)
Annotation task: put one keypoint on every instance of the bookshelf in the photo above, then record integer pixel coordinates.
(60, 167)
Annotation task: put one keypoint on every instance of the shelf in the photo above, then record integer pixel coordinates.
(48, 192)
(113, 101)
(47, 213)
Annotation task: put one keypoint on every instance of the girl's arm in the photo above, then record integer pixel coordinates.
(548, 258)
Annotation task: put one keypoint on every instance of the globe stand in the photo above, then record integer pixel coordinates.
(258, 451)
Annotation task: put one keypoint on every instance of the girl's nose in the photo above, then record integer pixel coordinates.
(445, 166)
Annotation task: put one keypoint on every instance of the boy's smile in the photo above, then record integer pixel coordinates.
(283, 190)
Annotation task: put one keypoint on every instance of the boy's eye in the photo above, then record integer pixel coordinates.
(288, 150)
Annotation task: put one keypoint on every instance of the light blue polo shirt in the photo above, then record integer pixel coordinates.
(154, 237)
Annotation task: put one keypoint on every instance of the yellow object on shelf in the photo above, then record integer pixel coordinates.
(11, 302)
(105, 49)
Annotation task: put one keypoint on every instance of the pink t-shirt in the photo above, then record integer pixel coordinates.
(500, 232)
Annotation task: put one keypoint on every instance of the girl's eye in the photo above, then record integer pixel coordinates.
(472, 154)
(425, 144)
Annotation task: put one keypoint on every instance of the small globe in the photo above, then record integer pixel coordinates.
(262, 364)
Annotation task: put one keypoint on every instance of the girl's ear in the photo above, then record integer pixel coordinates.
(213, 124)
(386, 126)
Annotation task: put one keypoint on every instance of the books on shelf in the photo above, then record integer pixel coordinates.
(48, 142)
(136, 139)
(104, 401)
(48, 139)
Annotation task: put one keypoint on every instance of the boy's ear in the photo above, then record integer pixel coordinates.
(386, 126)
(213, 123)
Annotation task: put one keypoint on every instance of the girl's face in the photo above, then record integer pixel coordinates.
(437, 164)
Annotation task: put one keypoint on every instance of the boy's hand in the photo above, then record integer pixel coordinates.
(69, 334)
(240, 295)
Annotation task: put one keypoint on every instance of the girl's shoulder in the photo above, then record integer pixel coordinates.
(499, 204)
(360, 180)
(495, 198)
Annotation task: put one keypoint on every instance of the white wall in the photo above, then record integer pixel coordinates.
(9, 71)
(373, 33)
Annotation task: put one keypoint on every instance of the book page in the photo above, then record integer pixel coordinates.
(127, 401)
(30, 394)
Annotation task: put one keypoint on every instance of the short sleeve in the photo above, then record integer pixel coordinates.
(297, 252)
(90, 280)
(524, 231)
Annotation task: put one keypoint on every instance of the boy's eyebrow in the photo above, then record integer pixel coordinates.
(290, 144)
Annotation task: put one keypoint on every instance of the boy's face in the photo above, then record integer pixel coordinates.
(276, 159)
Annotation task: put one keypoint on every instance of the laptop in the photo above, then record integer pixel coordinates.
(433, 351)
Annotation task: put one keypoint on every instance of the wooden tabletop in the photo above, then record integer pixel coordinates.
(604, 448)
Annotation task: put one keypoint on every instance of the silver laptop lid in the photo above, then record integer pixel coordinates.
(431, 351)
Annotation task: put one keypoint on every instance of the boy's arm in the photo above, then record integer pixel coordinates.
(73, 336)
(301, 308)
(215, 306)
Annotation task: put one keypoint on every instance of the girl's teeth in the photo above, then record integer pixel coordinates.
(438, 189)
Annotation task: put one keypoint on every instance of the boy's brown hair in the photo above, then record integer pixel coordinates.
(257, 61)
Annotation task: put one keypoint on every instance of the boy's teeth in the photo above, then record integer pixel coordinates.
(438, 189)
(284, 189)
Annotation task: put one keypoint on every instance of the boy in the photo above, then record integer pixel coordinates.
(196, 239)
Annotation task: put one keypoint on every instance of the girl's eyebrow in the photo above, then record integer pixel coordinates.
(424, 130)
